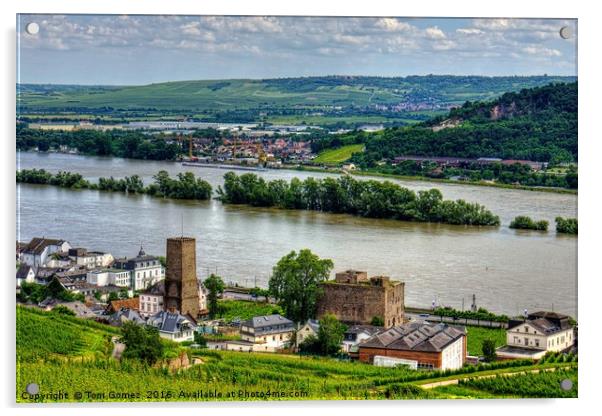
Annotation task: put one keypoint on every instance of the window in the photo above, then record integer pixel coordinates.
(537, 343)
(526, 341)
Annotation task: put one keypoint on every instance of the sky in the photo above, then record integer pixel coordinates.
(138, 49)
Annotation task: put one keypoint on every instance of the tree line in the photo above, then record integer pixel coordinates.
(127, 144)
(346, 195)
(184, 186)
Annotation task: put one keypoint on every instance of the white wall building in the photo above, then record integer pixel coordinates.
(173, 326)
(39, 250)
(25, 273)
(90, 259)
(539, 333)
(145, 270)
(269, 332)
(105, 277)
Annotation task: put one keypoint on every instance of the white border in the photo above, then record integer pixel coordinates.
(589, 166)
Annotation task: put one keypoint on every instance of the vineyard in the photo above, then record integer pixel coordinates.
(70, 355)
(544, 384)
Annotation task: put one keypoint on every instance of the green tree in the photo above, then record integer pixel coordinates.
(567, 225)
(488, 349)
(526, 223)
(63, 310)
(200, 340)
(377, 321)
(295, 283)
(142, 343)
(330, 335)
(215, 287)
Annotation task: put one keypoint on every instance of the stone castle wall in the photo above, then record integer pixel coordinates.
(359, 303)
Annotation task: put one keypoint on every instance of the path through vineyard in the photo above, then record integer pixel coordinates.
(506, 373)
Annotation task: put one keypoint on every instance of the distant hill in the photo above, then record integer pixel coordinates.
(429, 92)
(535, 124)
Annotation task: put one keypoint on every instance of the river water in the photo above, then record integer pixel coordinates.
(508, 270)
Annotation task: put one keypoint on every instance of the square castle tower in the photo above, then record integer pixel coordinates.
(356, 299)
(181, 285)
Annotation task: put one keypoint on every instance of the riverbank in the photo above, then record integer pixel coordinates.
(369, 174)
(433, 180)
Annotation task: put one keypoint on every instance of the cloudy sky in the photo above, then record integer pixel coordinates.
(111, 49)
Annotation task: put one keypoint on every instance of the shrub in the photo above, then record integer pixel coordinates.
(526, 223)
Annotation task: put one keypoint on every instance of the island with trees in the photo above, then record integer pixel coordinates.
(346, 195)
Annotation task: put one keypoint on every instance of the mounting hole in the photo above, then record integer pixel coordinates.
(566, 384)
(566, 32)
(32, 28)
(32, 388)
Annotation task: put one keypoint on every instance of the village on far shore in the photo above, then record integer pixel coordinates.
(167, 294)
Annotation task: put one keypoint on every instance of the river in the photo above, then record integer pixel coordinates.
(508, 270)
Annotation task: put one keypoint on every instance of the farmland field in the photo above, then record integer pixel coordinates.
(308, 92)
(338, 155)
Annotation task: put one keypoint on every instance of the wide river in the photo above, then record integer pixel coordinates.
(507, 270)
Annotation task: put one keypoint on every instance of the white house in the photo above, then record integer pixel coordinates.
(355, 335)
(25, 273)
(105, 277)
(310, 328)
(145, 270)
(151, 300)
(173, 326)
(539, 333)
(268, 333)
(37, 252)
(90, 259)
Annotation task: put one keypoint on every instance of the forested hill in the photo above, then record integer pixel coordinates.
(539, 103)
(535, 124)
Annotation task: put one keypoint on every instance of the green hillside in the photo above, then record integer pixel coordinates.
(66, 354)
(536, 124)
(338, 155)
(283, 93)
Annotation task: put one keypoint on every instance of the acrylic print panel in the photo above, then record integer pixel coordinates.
(295, 208)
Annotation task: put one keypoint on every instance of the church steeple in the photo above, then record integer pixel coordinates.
(141, 252)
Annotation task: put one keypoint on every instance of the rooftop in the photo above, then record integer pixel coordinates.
(415, 336)
(170, 322)
(37, 245)
(267, 321)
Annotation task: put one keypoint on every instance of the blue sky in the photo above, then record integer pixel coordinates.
(135, 49)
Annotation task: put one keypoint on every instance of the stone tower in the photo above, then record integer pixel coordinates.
(181, 285)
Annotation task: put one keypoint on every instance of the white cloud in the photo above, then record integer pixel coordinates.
(541, 51)
(434, 33)
(350, 41)
(469, 31)
(392, 25)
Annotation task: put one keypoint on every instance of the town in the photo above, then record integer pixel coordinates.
(355, 317)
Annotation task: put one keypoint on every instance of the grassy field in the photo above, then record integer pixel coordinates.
(476, 336)
(338, 155)
(64, 354)
(240, 309)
